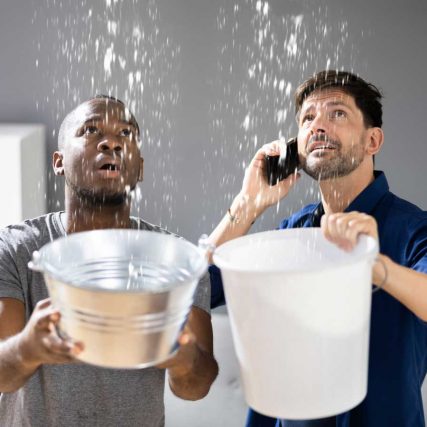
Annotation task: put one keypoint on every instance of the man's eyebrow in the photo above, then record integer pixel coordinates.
(337, 104)
(93, 118)
(327, 104)
(97, 118)
(305, 109)
(128, 123)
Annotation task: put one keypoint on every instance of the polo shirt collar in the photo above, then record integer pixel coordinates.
(364, 202)
(371, 195)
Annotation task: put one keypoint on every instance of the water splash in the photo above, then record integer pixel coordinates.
(122, 48)
(264, 53)
(115, 48)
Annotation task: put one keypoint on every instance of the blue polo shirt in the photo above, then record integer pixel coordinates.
(398, 338)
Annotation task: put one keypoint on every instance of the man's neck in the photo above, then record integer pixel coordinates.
(337, 194)
(84, 217)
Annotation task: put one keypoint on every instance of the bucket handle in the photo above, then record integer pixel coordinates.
(380, 286)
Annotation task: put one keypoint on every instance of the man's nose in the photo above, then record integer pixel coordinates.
(110, 144)
(318, 124)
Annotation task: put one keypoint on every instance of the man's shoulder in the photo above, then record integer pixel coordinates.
(141, 224)
(402, 228)
(401, 213)
(202, 295)
(405, 207)
(39, 229)
(299, 218)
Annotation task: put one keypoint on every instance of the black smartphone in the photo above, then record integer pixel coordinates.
(280, 167)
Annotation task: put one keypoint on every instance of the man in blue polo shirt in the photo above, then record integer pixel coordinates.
(339, 118)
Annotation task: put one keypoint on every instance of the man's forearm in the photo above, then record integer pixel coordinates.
(406, 285)
(14, 371)
(244, 213)
(195, 384)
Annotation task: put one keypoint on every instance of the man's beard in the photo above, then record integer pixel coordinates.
(90, 197)
(342, 164)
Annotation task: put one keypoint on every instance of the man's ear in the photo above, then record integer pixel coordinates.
(376, 140)
(57, 163)
(141, 169)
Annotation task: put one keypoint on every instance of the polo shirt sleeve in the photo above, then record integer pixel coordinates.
(417, 248)
(217, 290)
(284, 224)
(417, 252)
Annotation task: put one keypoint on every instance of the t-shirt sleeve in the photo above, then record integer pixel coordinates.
(10, 284)
(202, 296)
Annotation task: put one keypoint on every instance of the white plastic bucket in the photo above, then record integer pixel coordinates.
(300, 311)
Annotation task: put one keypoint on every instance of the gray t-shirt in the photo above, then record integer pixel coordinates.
(75, 394)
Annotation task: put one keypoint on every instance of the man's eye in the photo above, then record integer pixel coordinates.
(90, 130)
(307, 118)
(338, 114)
(125, 132)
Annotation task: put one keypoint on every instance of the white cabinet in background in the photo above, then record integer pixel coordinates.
(22, 172)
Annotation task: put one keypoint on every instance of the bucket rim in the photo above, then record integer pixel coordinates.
(223, 264)
(42, 265)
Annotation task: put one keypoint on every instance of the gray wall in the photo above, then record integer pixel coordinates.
(210, 81)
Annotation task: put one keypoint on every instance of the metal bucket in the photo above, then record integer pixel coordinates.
(125, 294)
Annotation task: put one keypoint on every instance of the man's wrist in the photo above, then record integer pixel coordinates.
(380, 271)
(182, 370)
(24, 353)
(245, 209)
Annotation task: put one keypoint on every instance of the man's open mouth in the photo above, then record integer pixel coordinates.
(110, 167)
(316, 146)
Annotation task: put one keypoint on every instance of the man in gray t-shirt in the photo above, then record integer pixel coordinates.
(41, 383)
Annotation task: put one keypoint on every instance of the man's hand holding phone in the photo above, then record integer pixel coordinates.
(256, 187)
(287, 163)
(255, 196)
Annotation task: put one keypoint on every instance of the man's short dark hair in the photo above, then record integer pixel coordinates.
(108, 97)
(65, 123)
(366, 96)
(119, 101)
